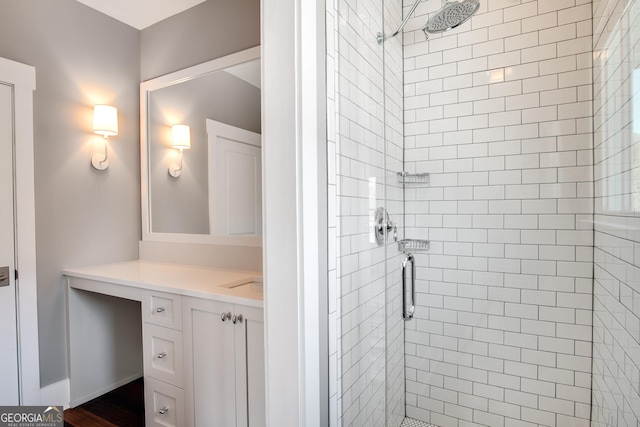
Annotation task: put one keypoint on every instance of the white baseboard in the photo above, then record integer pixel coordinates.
(56, 394)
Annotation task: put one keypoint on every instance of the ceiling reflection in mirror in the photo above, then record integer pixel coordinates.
(188, 203)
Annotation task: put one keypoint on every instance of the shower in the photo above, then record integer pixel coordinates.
(451, 15)
(502, 148)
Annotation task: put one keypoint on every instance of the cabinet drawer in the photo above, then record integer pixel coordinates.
(163, 403)
(162, 309)
(162, 349)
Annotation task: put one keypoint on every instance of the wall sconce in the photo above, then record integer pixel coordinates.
(181, 140)
(105, 123)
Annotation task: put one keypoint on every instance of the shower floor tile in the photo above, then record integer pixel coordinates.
(410, 422)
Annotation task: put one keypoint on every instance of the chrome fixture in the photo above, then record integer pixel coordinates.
(382, 37)
(237, 319)
(407, 314)
(413, 178)
(452, 15)
(4, 276)
(382, 226)
(416, 245)
(226, 316)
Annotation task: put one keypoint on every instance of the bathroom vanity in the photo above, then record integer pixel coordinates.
(195, 333)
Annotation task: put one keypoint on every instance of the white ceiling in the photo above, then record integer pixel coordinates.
(140, 13)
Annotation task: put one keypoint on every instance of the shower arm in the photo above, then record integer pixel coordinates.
(381, 37)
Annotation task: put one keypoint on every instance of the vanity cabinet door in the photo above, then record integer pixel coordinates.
(210, 376)
(224, 364)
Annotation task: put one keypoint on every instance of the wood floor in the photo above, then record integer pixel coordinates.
(122, 407)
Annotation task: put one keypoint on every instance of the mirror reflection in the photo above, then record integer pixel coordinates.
(204, 154)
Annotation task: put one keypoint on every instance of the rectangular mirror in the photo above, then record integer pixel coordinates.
(201, 153)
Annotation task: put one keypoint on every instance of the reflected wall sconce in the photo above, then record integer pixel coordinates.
(180, 140)
(105, 123)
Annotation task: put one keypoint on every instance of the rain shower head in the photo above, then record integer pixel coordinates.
(452, 15)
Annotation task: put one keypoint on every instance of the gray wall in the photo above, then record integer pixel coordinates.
(207, 31)
(82, 216)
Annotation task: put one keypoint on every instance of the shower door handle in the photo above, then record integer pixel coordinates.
(407, 314)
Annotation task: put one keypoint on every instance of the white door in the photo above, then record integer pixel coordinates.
(9, 392)
(235, 180)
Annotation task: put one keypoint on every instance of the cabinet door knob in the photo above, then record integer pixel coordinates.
(163, 410)
(226, 316)
(161, 355)
(237, 319)
(160, 309)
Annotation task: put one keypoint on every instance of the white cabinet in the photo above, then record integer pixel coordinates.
(163, 359)
(224, 364)
(200, 368)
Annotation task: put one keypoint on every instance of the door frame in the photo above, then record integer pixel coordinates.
(23, 79)
(295, 212)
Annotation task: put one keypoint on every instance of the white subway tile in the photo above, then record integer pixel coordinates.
(521, 41)
(539, 84)
(525, 191)
(521, 11)
(520, 102)
(557, 128)
(564, 65)
(487, 19)
(504, 31)
(538, 176)
(543, 388)
(487, 77)
(542, 114)
(523, 131)
(507, 59)
(492, 47)
(540, 22)
(576, 47)
(558, 34)
(539, 53)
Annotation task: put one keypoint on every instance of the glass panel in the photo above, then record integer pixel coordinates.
(360, 186)
(394, 153)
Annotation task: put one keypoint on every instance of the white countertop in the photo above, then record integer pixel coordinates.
(188, 280)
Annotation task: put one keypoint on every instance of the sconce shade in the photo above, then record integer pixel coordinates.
(181, 137)
(105, 120)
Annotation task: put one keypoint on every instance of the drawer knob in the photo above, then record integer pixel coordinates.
(163, 410)
(160, 309)
(237, 319)
(161, 355)
(226, 316)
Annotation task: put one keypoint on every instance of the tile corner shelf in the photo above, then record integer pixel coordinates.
(413, 178)
(413, 245)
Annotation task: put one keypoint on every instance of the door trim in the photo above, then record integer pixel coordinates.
(23, 79)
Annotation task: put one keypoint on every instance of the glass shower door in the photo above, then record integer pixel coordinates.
(367, 98)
